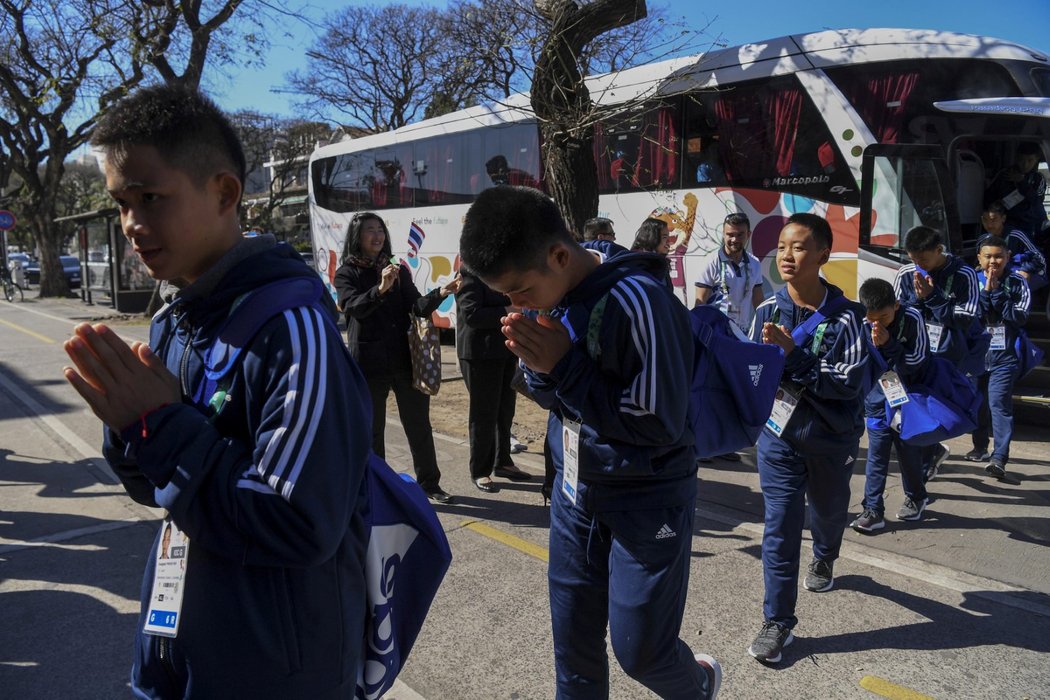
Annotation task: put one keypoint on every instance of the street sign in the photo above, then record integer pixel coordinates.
(7, 220)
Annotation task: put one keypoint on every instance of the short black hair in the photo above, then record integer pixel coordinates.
(188, 130)
(921, 239)
(352, 246)
(991, 241)
(996, 206)
(818, 226)
(592, 228)
(649, 235)
(876, 294)
(510, 228)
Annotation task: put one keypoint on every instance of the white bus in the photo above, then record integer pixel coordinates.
(878, 130)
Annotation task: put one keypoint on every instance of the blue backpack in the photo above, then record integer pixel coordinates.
(732, 384)
(408, 552)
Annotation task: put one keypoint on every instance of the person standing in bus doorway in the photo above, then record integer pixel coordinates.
(488, 368)
(1005, 300)
(807, 450)
(377, 295)
(1022, 190)
(1026, 260)
(731, 277)
(625, 493)
(945, 291)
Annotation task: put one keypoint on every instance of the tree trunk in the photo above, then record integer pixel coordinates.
(53, 282)
(570, 173)
(563, 104)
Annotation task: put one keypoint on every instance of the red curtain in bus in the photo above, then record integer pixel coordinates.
(784, 110)
(757, 137)
(881, 102)
(658, 151)
(602, 158)
(740, 135)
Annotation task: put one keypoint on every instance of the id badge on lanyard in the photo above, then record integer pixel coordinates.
(998, 333)
(893, 388)
(570, 478)
(783, 406)
(936, 332)
(169, 582)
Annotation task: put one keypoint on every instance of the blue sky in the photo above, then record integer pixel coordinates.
(1023, 21)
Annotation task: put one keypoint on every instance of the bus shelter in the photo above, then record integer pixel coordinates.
(112, 271)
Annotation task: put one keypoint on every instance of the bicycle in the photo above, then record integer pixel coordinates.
(11, 288)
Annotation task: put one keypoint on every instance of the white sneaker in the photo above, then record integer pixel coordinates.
(516, 446)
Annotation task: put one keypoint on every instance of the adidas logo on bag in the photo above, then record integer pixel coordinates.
(756, 373)
(665, 532)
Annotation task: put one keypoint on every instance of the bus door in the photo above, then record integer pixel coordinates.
(903, 186)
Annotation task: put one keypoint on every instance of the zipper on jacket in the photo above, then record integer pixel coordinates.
(164, 654)
(184, 360)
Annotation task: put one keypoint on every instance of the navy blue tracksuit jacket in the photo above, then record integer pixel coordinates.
(813, 459)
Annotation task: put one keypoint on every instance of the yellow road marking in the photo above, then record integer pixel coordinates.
(882, 687)
(27, 331)
(517, 543)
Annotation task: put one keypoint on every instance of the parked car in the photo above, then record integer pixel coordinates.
(70, 266)
(20, 257)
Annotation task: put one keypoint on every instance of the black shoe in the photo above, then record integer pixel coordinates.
(512, 473)
(438, 495)
(729, 457)
(486, 486)
(996, 468)
(545, 491)
(976, 455)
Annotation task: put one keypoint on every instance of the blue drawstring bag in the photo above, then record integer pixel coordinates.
(733, 386)
(408, 555)
(1029, 355)
(943, 406)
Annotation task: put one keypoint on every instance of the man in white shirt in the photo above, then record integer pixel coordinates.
(731, 278)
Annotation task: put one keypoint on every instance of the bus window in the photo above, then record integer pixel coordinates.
(765, 135)
(1041, 78)
(437, 170)
(344, 183)
(510, 156)
(905, 192)
(639, 149)
(702, 164)
(390, 187)
(896, 99)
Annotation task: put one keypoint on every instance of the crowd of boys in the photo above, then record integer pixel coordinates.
(254, 480)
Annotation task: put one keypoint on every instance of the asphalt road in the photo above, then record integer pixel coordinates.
(956, 606)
